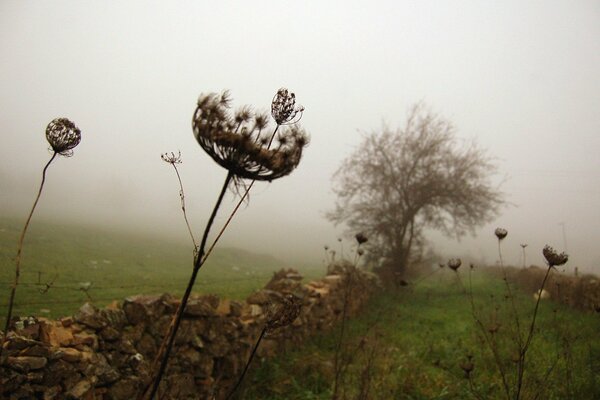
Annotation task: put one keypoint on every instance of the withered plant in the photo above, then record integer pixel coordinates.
(63, 136)
(240, 143)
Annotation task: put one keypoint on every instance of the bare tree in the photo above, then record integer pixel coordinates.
(397, 183)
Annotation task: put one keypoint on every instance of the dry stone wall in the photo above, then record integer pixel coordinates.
(106, 353)
(582, 292)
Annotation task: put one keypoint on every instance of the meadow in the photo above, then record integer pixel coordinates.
(416, 344)
(65, 266)
(419, 341)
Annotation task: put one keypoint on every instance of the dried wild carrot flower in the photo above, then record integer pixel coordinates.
(361, 238)
(284, 109)
(454, 263)
(171, 158)
(284, 313)
(553, 258)
(237, 143)
(63, 136)
(500, 233)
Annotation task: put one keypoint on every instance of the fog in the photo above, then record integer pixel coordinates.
(521, 78)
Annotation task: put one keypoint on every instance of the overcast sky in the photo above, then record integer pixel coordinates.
(520, 77)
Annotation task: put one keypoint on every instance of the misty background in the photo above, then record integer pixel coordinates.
(520, 77)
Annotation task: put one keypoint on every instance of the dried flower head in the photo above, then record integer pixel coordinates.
(467, 366)
(454, 263)
(284, 109)
(523, 245)
(171, 158)
(441, 265)
(236, 142)
(553, 258)
(63, 136)
(360, 252)
(284, 313)
(500, 233)
(361, 238)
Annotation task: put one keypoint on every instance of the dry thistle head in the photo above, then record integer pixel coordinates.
(284, 109)
(454, 263)
(553, 258)
(361, 238)
(236, 142)
(283, 313)
(523, 245)
(500, 233)
(171, 158)
(63, 136)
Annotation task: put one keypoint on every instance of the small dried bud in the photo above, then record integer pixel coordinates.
(523, 245)
(553, 258)
(467, 366)
(360, 252)
(326, 247)
(171, 158)
(454, 263)
(284, 109)
(361, 238)
(284, 313)
(63, 136)
(500, 233)
(442, 265)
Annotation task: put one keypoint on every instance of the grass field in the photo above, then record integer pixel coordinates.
(411, 345)
(60, 261)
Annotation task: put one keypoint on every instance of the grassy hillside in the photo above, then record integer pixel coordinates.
(411, 345)
(61, 261)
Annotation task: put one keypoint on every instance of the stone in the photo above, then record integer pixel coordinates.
(199, 308)
(90, 316)
(109, 334)
(224, 308)
(80, 389)
(27, 363)
(55, 334)
(70, 354)
(125, 389)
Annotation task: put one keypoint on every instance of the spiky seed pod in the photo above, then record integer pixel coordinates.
(284, 313)
(454, 263)
(553, 258)
(284, 109)
(236, 143)
(171, 158)
(500, 233)
(361, 238)
(63, 136)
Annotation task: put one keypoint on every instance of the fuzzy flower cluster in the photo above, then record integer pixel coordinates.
(553, 258)
(454, 263)
(238, 141)
(63, 136)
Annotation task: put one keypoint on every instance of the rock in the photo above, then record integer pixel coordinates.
(224, 308)
(27, 363)
(200, 307)
(90, 316)
(80, 389)
(55, 334)
(109, 334)
(85, 338)
(70, 354)
(125, 389)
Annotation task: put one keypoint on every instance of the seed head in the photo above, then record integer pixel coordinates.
(171, 158)
(63, 136)
(500, 233)
(236, 141)
(284, 313)
(361, 238)
(454, 263)
(553, 258)
(523, 245)
(284, 109)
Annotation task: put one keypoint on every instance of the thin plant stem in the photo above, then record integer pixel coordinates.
(200, 259)
(167, 346)
(13, 289)
(512, 298)
(182, 197)
(523, 353)
(241, 378)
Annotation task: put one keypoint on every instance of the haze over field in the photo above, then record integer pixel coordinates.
(520, 78)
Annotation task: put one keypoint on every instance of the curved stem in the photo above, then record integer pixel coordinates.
(239, 382)
(13, 290)
(523, 353)
(167, 345)
(182, 197)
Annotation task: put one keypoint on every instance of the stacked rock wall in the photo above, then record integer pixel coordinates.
(579, 292)
(106, 353)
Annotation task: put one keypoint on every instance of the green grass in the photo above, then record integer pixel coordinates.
(116, 265)
(420, 336)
